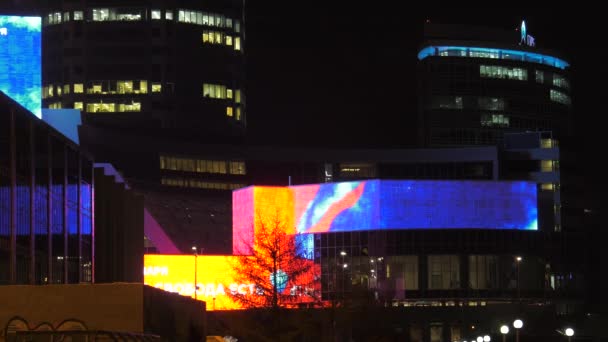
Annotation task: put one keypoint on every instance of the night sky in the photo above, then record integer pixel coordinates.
(325, 74)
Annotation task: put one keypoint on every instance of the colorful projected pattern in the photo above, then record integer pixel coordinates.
(379, 204)
(216, 279)
(20, 55)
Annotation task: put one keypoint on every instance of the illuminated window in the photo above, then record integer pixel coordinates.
(143, 87)
(78, 88)
(169, 15)
(66, 16)
(443, 272)
(229, 111)
(95, 88)
(237, 26)
(228, 23)
(547, 187)
(494, 120)
(66, 89)
(540, 76)
(560, 81)
(214, 91)
(58, 89)
(237, 96)
(157, 87)
(237, 43)
(446, 102)
(78, 15)
(547, 165)
(491, 103)
(237, 168)
(101, 107)
(205, 36)
(548, 143)
(55, 105)
(155, 14)
(229, 93)
(78, 105)
(558, 96)
(238, 114)
(124, 87)
(132, 107)
(500, 72)
(101, 14)
(483, 271)
(229, 40)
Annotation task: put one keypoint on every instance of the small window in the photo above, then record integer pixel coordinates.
(237, 43)
(228, 23)
(78, 105)
(66, 89)
(156, 87)
(155, 14)
(78, 15)
(237, 26)
(229, 93)
(169, 15)
(78, 88)
(229, 40)
(237, 97)
(66, 16)
(229, 111)
(238, 114)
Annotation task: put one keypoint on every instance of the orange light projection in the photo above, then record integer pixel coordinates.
(214, 277)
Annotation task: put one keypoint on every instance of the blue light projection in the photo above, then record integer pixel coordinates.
(20, 56)
(481, 52)
(416, 204)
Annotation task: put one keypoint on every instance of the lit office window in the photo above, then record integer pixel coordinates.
(238, 114)
(228, 23)
(558, 96)
(494, 120)
(124, 87)
(237, 96)
(229, 40)
(55, 105)
(483, 53)
(101, 14)
(95, 88)
(547, 166)
(78, 88)
(491, 103)
(78, 105)
(78, 15)
(66, 16)
(169, 15)
(443, 272)
(132, 107)
(66, 89)
(214, 91)
(547, 187)
(237, 168)
(229, 111)
(500, 72)
(446, 102)
(143, 87)
(483, 271)
(155, 14)
(237, 43)
(157, 87)
(560, 81)
(540, 76)
(58, 90)
(101, 107)
(229, 93)
(51, 87)
(237, 26)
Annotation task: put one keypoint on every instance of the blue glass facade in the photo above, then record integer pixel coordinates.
(491, 53)
(20, 60)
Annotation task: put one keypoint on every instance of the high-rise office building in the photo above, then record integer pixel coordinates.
(477, 83)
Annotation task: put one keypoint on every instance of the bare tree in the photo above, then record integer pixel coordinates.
(277, 269)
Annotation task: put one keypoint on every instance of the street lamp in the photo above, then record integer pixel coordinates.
(479, 339)
(195, 249)
(517, 324)
(569, 332)
(486, 338)
(518, 259)
(504, 330)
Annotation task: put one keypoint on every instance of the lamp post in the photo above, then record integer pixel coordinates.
(504, 330)
(517, 324)
(569, 332)
(195, 249)
(518, 259)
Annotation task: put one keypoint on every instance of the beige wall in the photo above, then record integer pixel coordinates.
(115, 307)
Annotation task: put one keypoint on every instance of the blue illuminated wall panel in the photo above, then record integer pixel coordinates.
(20, 59)
(376, 204)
